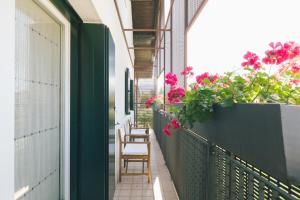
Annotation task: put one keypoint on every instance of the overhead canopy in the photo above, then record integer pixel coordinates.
(144, 16)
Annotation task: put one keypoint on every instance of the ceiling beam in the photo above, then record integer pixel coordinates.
(166, 24)
(143, 66)
(146, 64)
(146, 30)
(123, 32)
(158, 25)
(141, 0)
(145, 48)
(143, 73)
(146, 68)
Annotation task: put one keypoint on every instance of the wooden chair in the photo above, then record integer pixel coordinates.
(142, 136)
(130, 151)
(138, 133)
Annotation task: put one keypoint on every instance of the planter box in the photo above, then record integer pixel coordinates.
(265, 135)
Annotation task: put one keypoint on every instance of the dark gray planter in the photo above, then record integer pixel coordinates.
(265, 135)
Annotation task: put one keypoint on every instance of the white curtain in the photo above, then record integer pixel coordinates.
(37, 103)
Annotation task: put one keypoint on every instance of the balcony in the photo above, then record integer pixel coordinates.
(75, 72)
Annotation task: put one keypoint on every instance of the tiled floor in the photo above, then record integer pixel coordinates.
(137, 187)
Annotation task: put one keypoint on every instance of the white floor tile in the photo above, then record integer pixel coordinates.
(138, 188)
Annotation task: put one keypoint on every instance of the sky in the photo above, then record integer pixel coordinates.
(226, 29)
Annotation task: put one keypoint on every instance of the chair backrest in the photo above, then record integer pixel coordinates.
(121, 135)
(125, 129)
(148, 129)
(129, 125)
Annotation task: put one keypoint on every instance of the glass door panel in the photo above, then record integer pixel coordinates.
(37, 103)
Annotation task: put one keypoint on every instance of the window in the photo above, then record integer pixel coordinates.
(41, 101)
(127, 92)
(131, 95)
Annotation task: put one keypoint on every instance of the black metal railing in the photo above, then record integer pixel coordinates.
(202, 170)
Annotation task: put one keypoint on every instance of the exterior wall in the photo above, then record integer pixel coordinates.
(182, 15)
(108, 16)
(7, 98)
(178, 39)
(106, 13)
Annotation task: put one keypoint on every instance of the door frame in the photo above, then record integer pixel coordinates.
(65, 95)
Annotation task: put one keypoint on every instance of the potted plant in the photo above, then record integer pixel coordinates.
(252, 112)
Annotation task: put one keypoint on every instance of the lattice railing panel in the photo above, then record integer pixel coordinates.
(201, 170)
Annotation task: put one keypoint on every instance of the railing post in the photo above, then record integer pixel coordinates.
(231, 171)
(211, 175)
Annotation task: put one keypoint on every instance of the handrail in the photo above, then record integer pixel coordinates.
(194, 134)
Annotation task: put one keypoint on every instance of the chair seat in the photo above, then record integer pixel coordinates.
(135, 149)
(139, 140)
(138, 131)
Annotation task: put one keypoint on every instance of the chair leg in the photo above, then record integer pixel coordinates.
(149, 175)
(124, 163)
(143, 165)
(126, 166)
(120, 170)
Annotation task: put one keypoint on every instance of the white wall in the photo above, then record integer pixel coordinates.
(108, 16)
(7, 99)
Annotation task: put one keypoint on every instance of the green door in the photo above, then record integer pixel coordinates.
(96, 137)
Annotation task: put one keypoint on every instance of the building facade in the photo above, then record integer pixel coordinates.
(43, 94)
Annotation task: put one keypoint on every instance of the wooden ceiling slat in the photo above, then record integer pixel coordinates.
(144, 30)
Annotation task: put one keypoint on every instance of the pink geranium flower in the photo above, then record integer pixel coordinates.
(176, 94)
(187, 71)
(150, 102)
(293, 49)
(166, 130)
(257, 66)
(295, 69)
(171, 79)
(195, 86)
(275, 55)
(175, 123)
(279, 53)
(202, 77)
(295, 82)
(212, 78)
(251, 60)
